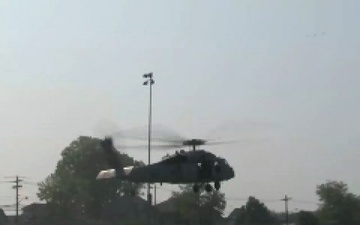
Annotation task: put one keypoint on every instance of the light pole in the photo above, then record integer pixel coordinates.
(149, 81)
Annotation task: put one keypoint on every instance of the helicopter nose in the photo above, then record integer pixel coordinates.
(232, 173)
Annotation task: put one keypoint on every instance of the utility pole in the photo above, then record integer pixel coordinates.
(16, 187)
(286, 200)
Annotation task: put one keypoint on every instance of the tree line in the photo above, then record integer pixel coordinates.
(73, 196)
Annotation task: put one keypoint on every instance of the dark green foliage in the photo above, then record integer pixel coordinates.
(339, 207)
(73, 189)
(255, 213)
(201, 207)
(306, 218)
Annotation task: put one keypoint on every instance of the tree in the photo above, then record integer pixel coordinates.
(73, 187)
(203, 207)
(306, 218)
(255, 213)
(339, 207)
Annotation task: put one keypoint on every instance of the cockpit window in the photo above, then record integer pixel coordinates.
(222, 160)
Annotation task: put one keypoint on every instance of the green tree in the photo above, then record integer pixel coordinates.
(306, 218)
(202, 207)
(339, 207)
(255, 213)
(73, 187)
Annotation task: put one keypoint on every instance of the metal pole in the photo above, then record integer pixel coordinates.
(149, 131)
(156, 216)
(287, 211)
(149, 148)
(150, 82)
(17, 200)
(154, 194)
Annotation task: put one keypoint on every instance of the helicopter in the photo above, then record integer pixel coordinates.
(197, 167)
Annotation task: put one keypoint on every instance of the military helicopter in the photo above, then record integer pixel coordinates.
(196, 166)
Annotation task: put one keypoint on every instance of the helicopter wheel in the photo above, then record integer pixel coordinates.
(196, 188)
(208, 188)
(217, 185)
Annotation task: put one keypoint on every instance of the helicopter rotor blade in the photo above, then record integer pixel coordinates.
(221, 142)
(158, 134)
(164, 147)
(153, 147)
(164, 139)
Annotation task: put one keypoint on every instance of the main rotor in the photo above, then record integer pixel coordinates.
(166, 139)
(194, 142)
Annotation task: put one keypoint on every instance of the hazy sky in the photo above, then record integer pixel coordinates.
(285, 72)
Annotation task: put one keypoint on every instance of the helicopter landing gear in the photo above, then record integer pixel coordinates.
(196, 188)
(217, 185)
(208, 188)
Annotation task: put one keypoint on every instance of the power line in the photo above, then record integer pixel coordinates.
(30, 183)
(242, 199)
(232, 198)
(305, 202)
(5, 197)
(3, 182)
(6, 206)
(14, 176)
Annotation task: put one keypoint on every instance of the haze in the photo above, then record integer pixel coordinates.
(286, 73)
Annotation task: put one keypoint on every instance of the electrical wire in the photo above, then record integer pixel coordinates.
(305, 202)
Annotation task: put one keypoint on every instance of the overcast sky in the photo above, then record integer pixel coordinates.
(286, 73)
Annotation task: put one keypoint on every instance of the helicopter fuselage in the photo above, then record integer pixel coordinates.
(181, 173)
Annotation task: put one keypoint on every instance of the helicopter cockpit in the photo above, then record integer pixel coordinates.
(221, 162)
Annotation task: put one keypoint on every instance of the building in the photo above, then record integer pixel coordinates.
(233, 216)
(168, 214)
(33, 213)
(127, 208)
